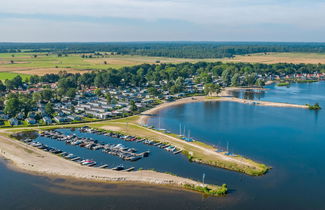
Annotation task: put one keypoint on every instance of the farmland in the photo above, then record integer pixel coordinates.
(42, 63)
(271, 58)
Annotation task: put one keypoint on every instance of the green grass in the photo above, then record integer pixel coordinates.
(10, 75)
(283, 84)
(210, 190)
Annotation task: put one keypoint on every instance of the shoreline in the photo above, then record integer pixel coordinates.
(23, 158)
(30, 160)
(144, 117)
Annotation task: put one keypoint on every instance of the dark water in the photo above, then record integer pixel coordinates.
(290, 140)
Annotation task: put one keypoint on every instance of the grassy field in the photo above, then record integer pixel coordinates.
(11, 75)
(26, 63)
(271, 58)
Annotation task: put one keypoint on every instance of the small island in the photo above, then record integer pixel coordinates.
(316, 106)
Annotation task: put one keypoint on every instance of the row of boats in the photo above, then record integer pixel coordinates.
(72, 157)
(164, 146)
(118, 150)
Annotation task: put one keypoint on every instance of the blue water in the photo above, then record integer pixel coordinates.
(290, 140)
(23, 191)
(295, 93)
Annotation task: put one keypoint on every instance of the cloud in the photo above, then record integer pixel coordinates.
(191, 19)
(201, 12)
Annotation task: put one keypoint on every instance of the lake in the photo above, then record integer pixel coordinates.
(290, 140)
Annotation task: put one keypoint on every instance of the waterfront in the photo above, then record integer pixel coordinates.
(23, 191)
(290, 140)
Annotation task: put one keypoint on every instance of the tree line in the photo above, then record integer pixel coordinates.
(167, 49)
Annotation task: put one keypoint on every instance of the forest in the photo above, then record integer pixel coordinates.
(166, 49)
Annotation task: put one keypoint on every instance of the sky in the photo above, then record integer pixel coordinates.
(162, 20)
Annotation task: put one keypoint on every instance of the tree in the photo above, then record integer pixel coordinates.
(2, 87)
(153, 91)
(71, 92)
(46, 94)
(34, 79)
(37, 97)
(235, 80)
(210, 88)
(225, 76)
(13, 106)
(49, 109)
(108, 97)
(9, 84)
(217, 89)
(98, 92)
(259, 83)
(133, 106)
(17, 81)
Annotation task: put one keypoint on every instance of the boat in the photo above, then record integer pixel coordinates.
(129, 169)
(103, 166)
(87, 162)
(118, 168)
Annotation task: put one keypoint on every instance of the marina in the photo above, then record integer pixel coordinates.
(107, 150)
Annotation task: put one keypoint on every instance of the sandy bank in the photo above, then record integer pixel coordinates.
(31, 160)
(223, 96)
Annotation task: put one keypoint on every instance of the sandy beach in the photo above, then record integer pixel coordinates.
(223, 96)
(34, 161)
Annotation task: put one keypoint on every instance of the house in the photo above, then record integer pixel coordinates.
(20, 116)
(31, 114)
(4, 116)
(31, 121)
(61, 114)
(47, 120)
(66, 111)
(13, 121)
(74, 118)
(59, 119)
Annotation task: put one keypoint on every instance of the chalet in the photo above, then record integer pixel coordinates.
(98, 109)
(13, 121)
(31, 114)
(31, 121)
(4, 117)
(47, 120)
(74, 118)
(59, 119)
(20, 116)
